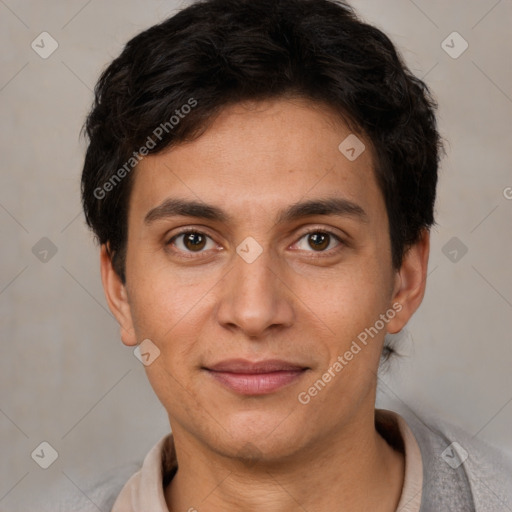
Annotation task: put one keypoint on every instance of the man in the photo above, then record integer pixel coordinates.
(261, 176)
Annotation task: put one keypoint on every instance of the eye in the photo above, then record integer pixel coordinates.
(319, 241)
(191, 241)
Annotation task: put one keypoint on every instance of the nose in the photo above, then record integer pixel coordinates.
(255, 297)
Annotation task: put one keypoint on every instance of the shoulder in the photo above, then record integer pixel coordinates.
(461, 471)
(99, 493)
(104, 491)
(125, 487)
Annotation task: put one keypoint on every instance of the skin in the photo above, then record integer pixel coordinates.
(294, 302)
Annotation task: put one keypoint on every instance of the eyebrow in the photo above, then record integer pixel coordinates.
(179, 207)
(331, 206)
(172, 207)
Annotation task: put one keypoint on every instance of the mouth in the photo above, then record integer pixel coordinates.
(255, 378)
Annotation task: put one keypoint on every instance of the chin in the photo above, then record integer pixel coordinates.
(262, 435)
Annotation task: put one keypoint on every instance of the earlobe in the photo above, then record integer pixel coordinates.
(117, 297)
(410, 282)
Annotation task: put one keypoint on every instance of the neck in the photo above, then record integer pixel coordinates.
(352, 469)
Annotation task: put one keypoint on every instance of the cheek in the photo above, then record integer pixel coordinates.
(352, 298)
(172, 309)
(161, 296)
(170, 316)
(351, 305)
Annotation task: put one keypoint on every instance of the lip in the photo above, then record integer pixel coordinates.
(255, 378)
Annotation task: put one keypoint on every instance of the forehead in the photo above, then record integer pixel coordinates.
(258, 157)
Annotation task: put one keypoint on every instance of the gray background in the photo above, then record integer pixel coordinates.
(65, 377)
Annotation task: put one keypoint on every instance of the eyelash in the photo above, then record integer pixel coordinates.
(318, 254)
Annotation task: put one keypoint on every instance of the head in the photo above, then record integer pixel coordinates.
(287, 130)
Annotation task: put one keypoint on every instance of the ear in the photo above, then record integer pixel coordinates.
(410, 283)
(117, 298)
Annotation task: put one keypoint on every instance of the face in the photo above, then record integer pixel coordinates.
(256, 256)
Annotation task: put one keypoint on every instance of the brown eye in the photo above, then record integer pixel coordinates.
(191, 241)
(194, 241)
(319, 241)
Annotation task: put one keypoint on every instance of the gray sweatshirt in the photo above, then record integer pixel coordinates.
(482, 483)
